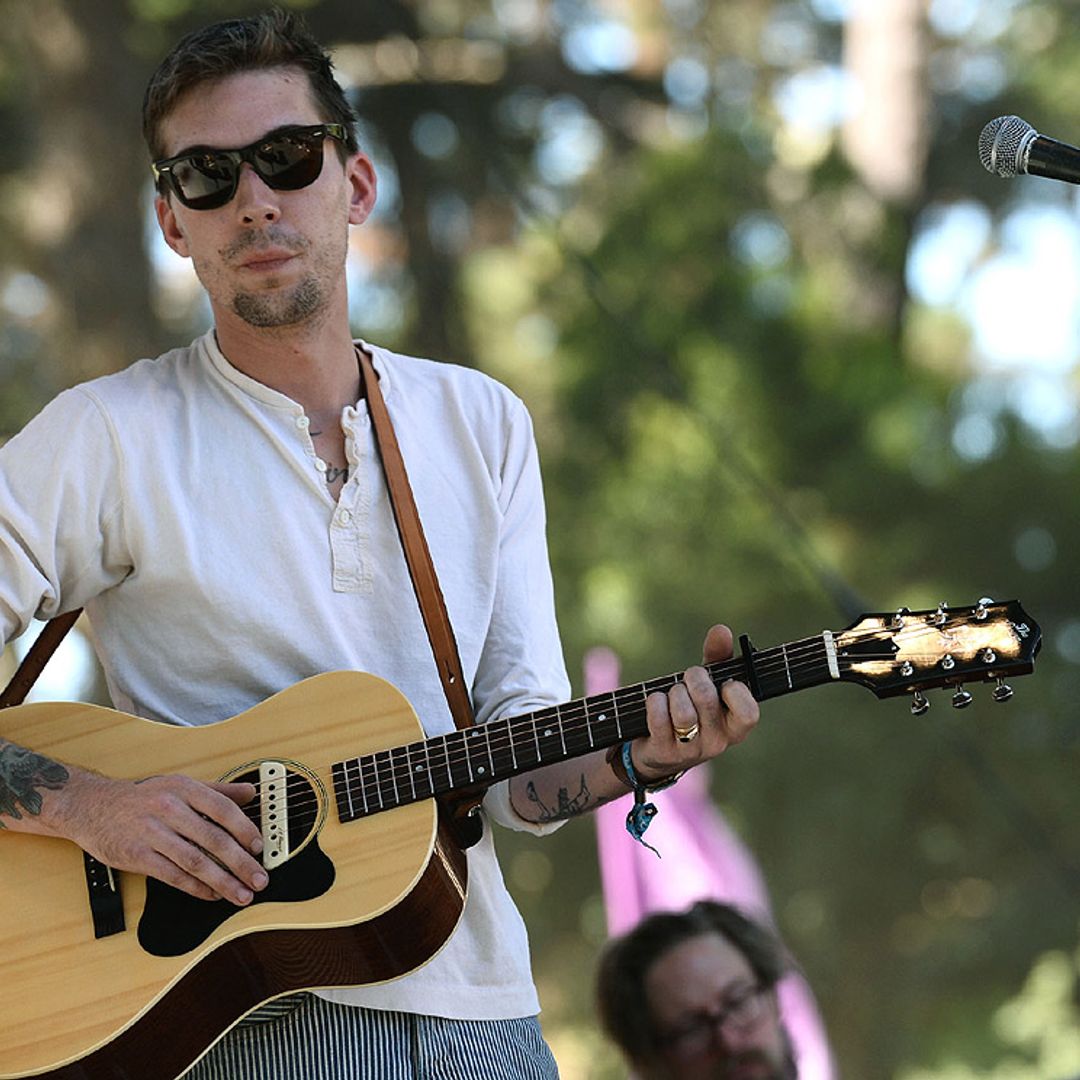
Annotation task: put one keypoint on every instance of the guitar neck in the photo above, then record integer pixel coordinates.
(488, 753)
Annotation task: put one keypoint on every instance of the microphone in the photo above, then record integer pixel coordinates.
(1009, 145)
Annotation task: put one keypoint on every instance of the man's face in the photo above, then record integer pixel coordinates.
(266, 258)
(712, 1020)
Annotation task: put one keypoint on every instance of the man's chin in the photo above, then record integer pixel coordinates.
(271, 309)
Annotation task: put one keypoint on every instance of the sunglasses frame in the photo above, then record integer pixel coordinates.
(163, 169)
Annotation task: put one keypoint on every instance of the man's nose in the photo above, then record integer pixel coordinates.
(256, 201)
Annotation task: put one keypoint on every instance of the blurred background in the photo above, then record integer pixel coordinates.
(792, 355)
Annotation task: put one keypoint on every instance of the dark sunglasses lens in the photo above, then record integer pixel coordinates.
(289, 161)
(205, 181)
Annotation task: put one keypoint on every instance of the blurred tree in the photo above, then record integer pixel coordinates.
(665, 225)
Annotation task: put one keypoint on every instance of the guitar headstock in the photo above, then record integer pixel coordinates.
(911, 651)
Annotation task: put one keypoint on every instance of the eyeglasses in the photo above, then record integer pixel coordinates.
(743, 1010)
(285, 160)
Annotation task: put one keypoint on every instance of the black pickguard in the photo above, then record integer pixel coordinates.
(174, 923)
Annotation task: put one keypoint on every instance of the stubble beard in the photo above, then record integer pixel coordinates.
(265, 310)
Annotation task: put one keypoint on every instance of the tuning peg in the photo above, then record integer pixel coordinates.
(919, 703)
(961, 699)
(1003, 691)
(980, 609)
(939, 618)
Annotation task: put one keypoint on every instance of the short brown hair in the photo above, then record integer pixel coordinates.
(276, 38)
(620, 990)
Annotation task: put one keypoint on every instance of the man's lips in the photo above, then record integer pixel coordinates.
(267, 260)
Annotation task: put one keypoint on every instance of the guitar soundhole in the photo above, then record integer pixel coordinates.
(174, 923)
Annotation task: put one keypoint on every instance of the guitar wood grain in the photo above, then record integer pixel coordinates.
(86, 1007)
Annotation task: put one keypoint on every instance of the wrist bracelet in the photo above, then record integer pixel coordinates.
(641, 813)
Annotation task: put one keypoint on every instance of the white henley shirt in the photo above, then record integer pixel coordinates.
(182, 504)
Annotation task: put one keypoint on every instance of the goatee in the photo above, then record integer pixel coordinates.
(259, 309)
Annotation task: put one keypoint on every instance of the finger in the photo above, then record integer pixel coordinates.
(741, 710)
(166, 870)
(232, 818)
(194, 861)
(692, 703)
(222, 830)
(703, 695)
(719, 644)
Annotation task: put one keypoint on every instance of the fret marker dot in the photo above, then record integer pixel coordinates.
(602, 717)
(481, 770)
(547, 732)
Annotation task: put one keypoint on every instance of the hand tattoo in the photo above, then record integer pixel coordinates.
(22, 772)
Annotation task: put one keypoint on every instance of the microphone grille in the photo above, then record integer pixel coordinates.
(1002, 143)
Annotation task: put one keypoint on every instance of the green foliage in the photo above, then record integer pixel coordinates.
(742, 416)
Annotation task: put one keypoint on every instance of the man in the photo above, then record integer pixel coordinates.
(221, 514)
(692, 996)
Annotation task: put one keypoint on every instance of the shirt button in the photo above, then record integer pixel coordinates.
(344, 517)
(320, 464)
(303, 423)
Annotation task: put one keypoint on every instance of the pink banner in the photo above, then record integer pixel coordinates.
(701, 858)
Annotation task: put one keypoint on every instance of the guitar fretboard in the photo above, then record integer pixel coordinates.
(487, 753)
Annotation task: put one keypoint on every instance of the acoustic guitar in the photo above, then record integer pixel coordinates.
(111, 975)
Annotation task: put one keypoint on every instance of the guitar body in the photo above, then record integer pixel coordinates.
(349, 903)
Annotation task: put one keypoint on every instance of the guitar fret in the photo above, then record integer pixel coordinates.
(459, 767)
(549, 730)
(427, 762)
(575, 731)
(365, 784)
(401, 768)
(419, 771)
(602, 719)
(501, 749)
(438, 762)
(478, 740)
(378, 770)
(360, 781)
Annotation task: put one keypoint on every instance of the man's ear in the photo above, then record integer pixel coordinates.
(360, 175)
(170, 227)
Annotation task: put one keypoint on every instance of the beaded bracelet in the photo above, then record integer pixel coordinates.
(641, 813)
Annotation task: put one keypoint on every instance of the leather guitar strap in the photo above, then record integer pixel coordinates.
(417, 556)
(462, 807)
(37, 656)
(421, 569)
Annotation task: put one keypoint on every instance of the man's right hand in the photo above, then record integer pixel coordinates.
(188, 834)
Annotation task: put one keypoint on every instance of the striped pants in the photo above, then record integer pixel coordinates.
(303, 1037)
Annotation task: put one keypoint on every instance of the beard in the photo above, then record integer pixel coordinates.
(278, 307)
(296, 306)
(785, 1070)
(730, 1065)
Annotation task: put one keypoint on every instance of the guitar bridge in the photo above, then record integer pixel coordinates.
(106, 904)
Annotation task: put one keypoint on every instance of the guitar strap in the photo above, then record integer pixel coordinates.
(417, 556)
(37, 656)
(421, 569)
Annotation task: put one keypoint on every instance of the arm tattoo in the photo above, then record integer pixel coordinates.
(566, 808)
(22, 772)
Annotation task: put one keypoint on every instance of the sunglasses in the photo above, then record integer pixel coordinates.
(285, 160)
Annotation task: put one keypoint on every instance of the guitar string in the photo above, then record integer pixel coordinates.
(397, 772)
(400, 773)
